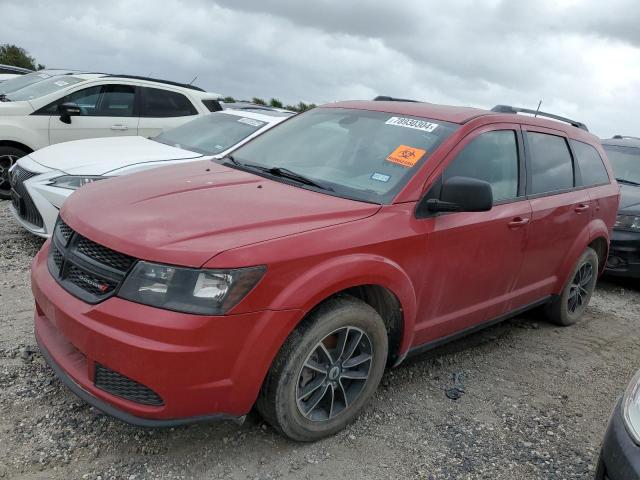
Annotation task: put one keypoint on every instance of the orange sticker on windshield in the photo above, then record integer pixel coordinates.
(406, 156)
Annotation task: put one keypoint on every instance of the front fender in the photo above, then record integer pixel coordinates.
(337, 274)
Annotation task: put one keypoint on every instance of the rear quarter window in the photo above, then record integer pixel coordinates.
(592, 169)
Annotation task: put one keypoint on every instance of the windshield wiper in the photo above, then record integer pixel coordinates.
(280, 172)
(286, 173)
(629, 182)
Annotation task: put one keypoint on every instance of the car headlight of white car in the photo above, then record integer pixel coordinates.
(73, 182)
(631, 408)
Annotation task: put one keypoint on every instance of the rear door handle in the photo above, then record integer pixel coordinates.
(518, 222)
(119, 127)
(582, 207)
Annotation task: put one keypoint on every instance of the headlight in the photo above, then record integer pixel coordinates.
(627, 222)
(204, 292)
(631, 408)
(73, 182)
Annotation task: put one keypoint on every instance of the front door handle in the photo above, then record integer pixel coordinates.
(583, 207)
(518, 222)
(119, 127)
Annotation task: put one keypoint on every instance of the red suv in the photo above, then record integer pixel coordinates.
(288, 275)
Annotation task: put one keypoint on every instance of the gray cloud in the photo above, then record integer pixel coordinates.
(581, 57)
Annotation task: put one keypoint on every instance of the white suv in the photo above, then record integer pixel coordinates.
(88, 105)
(41, 181)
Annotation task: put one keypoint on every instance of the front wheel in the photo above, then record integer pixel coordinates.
(8, 157)
(326, 371)
(569, 307)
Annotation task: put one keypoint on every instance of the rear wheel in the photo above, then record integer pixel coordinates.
(569, 307)
(326, 371)
(8, 157)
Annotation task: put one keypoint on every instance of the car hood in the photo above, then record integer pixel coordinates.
(629, 198)
(15, 108)
(187, 214)
(100, 156)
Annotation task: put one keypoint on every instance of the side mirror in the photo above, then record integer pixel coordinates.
(68, 110)
(462, 194)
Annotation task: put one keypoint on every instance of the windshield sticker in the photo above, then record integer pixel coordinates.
(251, 121)
(380, 177)
(412, 123)
(44, 75)
(406, 156)
(61, 83)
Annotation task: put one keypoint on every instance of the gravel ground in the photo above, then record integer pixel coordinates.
(535, 405)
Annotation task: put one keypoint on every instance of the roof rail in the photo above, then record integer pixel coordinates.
(385, 98)
(510, 109)
(168, 82)
(625, 137)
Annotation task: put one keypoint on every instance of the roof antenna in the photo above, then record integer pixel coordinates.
(194, 79)
(538, 109)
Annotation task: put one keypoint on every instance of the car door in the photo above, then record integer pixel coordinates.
(106, 111)
(473, 259)
(162, 109)
(560, 211)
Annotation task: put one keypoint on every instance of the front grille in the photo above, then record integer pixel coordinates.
(121, 386)
(105, 255)
(84, 268)
(21, 199)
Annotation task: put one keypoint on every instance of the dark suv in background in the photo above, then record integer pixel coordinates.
(624, 254)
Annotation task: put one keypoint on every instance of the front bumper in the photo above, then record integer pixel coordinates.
(624, 254)
(620, 456)
(202, 367)
(45, 198)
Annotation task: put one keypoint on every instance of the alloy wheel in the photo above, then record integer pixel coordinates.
(579, 288)
(334, 374)
(6, 162)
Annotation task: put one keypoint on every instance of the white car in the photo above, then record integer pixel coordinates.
(41, 181)
(7, 72)
(90, 105)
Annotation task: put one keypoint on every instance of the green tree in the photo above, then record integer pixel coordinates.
(275, 103)
(18, 57)
(258, 101)
(229, 100)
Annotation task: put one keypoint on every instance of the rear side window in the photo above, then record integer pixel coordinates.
(164, 103)
(492, 157)
(551, 164)
(592, 169)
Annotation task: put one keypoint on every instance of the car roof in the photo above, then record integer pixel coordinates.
(622, 141)
(460, 115)
(14, 69)
(264, 116)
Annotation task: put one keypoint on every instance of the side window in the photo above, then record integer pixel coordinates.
(87, 100)
(116, 101)
(164, 103)
(492, 157)
(592, 169)
(551, 164)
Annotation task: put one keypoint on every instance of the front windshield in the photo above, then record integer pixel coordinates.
(22, 81)
(42, 88)
(358, 154)
(625, 162)
(211, 134)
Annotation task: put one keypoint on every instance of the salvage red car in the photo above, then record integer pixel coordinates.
(288, 275)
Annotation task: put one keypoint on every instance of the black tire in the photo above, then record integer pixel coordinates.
(282, 401)
(8, 156)
(569, 307)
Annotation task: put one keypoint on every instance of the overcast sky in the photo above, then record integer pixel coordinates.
(582, 58)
